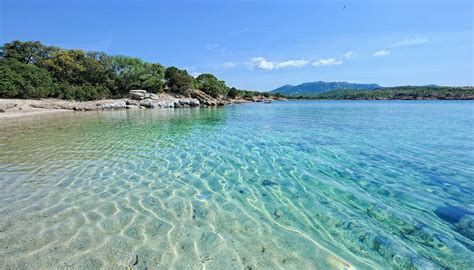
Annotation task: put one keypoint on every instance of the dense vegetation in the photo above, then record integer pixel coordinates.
(401, 92)
(33, 70)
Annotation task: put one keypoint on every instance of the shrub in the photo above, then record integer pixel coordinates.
(178, 80)
(210, 85)
(20, 80)
(82, 92)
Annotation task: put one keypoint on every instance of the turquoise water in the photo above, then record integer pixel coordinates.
(288, 185)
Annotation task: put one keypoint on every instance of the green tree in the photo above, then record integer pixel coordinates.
(210, 85)
(178, 80)
(29, 52)
(133, 73)
(82, 92)
(233, 92)
(21, 80)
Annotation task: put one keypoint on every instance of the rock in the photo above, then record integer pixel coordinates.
(138, 94)
(132, 102)
(278, 213)
(80, 106)
(5, 105)
(210, 102)
(42, 105)
(183, 102)
(153, 96)
(203, 98)
(113, 105)
(147, 103)
(133, 107)
(194, 102)
(166, 104)
(178, 104)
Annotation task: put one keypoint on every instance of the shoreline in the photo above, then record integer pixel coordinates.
(139, 99)
(17, 108)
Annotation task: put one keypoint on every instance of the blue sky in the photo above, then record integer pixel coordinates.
(261, 45)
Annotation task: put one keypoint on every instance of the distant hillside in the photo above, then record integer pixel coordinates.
(402, 92)
(315, 88)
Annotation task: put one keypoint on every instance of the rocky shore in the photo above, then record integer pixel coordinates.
(138, 99)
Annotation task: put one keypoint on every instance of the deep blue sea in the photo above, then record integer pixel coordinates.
(287, 185)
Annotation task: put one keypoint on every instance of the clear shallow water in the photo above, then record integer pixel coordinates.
(293, 185)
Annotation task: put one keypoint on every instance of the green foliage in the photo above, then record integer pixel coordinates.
(32, 70)
(236, 93)
(82, 92)
(178, 80)
(77, 67)
(133, 73)
(20, 80)
(210, 85)
(29, 52)
(233, 92)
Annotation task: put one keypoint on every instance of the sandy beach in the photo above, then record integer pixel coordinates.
(14, 108)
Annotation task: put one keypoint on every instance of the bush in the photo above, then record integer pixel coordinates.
(178, 80)
(20, 80)
(133, 73)
(233, 92)
(82, 92)
(210, 85)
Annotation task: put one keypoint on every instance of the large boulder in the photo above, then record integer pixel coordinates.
(112, 105)
(184, 102)
(5, 105)
(138, 94)
(203, 98)
(177, 104)
(167, 104)
(132, 102)
(194, 102)
(148, 103)
(153, 96)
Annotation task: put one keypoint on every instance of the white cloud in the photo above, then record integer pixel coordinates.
(348, 55)
(327, 62)
(381, 53)
(410, 42)
(293, 63)
(262, 63)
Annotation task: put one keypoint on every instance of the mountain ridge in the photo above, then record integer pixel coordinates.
(313, 88)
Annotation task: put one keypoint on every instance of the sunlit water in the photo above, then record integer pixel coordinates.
(292, 185)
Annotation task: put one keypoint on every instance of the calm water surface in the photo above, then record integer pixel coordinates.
(288, 185)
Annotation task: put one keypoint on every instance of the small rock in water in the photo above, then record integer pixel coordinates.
(278, 213)
(268, 183)
(241, 191)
